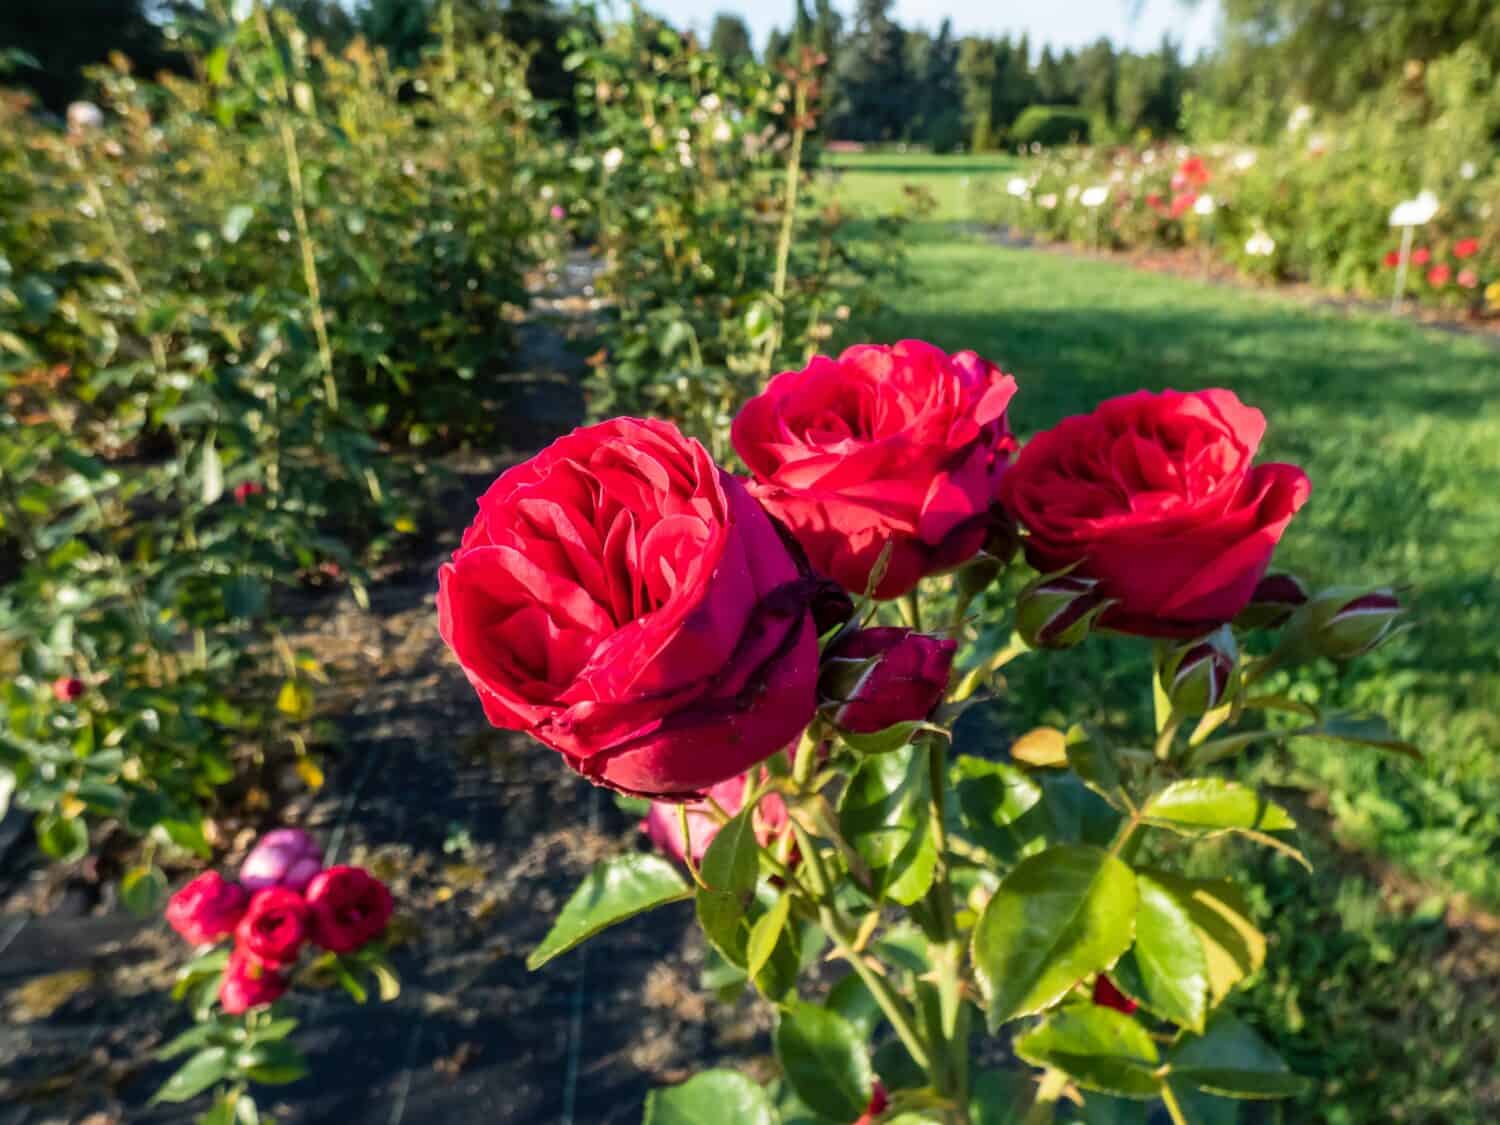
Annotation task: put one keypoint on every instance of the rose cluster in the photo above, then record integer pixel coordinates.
(666, 625)
(285, 900)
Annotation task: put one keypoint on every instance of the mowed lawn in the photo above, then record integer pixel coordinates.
(1384, 975)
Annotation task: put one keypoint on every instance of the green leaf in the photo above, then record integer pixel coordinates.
(1057, 918)
(1099, 1048)
(722, 918)
(146, 810)
(236, 219)
(765, 935)
(222, 1111)
(885, 815)
(616, 889)
(208, 1066)
(1212, 804)
(853, 1000)
(1000, 807)
(1094, 764)
(1000, 1097)
(731, 862)
(273, 1064)
(188, 834)
(143, 890)
(1166, 969)
(722, 1096)
(65, 839)
(193, 1038)
(1231, 1060)
(1232, 946)
(825, 1061)
(349, 982)
(881, 741)
(1362, 730)
(276, 1029)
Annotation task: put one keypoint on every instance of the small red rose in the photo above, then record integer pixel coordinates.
(247, 489)
(1465, 248)
(1421, 256)
(1439, 274)
(207, 909)
(1106, 995)
(68, 689)
(275, 927)
(876, 678)
(249, 983)
(1392, 258)
(350, 908)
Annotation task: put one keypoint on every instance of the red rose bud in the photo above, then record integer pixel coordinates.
(876, 678)
(68, 689)
(249, 984)
(285, 857)
(1344, 622)
(1059, 610)
(350, 908)
(1197, 676)
(664, 827)
(1276, 598)
(275, 927)
(207, 909)
(879, 1102)
(1106, 995)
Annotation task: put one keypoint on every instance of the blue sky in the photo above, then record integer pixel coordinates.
(1060, 23)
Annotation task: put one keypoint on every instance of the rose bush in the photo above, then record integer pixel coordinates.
(894, 449)
(625, 600)
(1042, 887)
(1155, 498)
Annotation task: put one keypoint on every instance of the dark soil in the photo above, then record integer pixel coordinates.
(482, 835)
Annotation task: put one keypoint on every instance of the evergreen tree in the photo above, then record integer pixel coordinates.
(940, 96)
(874, 82)
(730, 38)
(64, 36)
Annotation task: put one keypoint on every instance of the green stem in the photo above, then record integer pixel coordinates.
(1174, 1110)
(949, 955)
(913, 608)
(1167, 735)
(890, 1002)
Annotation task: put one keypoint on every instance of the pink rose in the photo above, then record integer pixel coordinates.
(274, 928)
(283, 857)
(664, 828)
(899, 447)
(624, 600)
(207, 909)
(350, 908)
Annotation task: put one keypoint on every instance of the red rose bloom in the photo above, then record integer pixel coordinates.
(249, 984)
(1439, 274)
(1180, 203)
(275, 927)
(1154, 497)
(246, 489)
(1392, 258)
(207, 909)
(1465, 248)
(901, 446)
(1106, 995)
(1421, 256)
(350, 908)
(624, 600)
(665, 830)
(875, 678)
(1193, 171)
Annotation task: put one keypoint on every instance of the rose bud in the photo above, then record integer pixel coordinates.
(879, 1101)
(68, 689)
(663, 824)
(1277, 596)
(208, 908)
(1345, 622)
(284, 857)
(275, 927)
(1106, 995)
(873, 679)
(249, 984)
(1059, 610)
(1197, 676)
(350, 908)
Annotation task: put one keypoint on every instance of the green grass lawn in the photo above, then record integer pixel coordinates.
(878, 181)
(1368, 989)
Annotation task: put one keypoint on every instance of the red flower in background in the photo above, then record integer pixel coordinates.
(664, 827)
(249, 984)
(1421, 256)
(208, 908)
(1468, 278)
(350, 908)
(275, 927)
(1106, 995)
(1465, 248)
(68, 689)
(1180, 203)
(246, 489)
(1439, 274)
(1192, 172)
(1392, 258)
